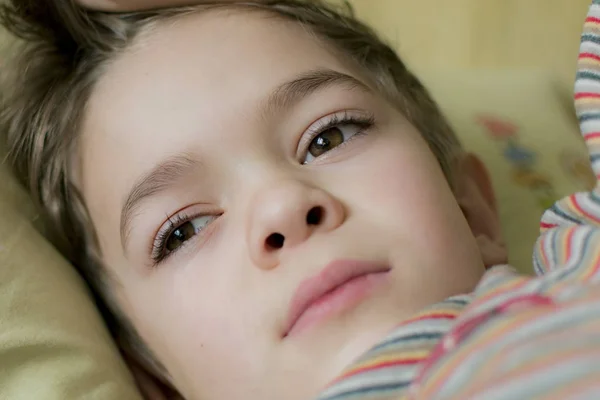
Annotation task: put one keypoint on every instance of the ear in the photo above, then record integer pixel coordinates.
(476, 198)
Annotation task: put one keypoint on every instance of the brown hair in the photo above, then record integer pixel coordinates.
(62, 56)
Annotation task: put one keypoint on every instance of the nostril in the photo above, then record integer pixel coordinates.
(275, 241)
(314, 216)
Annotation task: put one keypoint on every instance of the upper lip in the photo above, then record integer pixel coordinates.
(329, 278)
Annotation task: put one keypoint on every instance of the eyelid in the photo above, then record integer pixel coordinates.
(318, 126)
(186, 213)
(189, 211)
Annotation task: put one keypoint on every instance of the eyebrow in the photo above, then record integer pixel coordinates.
(159, 179)
(164, 175)
(289, 93)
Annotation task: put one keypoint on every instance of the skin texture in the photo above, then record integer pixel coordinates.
(214, 311)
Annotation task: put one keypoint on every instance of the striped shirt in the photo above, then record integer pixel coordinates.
(514, 337)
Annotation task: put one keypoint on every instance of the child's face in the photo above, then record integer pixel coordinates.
(205, 125)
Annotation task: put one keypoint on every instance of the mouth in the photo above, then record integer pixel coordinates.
(340, 286)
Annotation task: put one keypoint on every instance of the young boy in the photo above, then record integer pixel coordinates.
(259, 192)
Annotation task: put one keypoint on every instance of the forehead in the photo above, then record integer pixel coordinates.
(205, 64)
(206, 67)
(205, 72)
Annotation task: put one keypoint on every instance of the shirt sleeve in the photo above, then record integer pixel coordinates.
(560, 246)
(525, 338)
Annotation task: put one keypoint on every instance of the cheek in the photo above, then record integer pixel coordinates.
(199, 331)
(401, 187)
(400, 181)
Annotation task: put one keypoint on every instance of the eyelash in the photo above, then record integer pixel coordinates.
(160, 242)
(364, 122)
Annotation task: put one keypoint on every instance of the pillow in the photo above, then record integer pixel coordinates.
(522, 124)
(53, 343)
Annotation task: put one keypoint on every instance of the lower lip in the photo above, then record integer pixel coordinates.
(340, 299)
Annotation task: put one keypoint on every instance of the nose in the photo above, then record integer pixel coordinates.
(286, 215)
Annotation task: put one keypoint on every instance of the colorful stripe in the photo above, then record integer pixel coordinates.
(515, 337)
(386, 371)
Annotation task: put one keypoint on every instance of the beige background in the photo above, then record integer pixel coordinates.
(451, 34)
(456, 34)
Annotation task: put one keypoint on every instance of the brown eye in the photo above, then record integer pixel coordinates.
(326, 141)
(182, 233)
(334, 133)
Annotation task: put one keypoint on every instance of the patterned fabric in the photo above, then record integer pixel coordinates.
(389, 368)
(515, 337)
